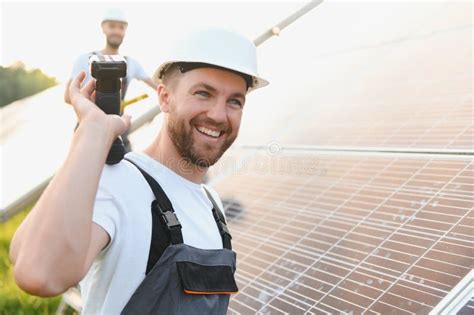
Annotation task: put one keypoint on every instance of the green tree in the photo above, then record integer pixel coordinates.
(17, 83)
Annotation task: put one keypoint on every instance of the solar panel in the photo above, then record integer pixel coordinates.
(348, 233)
(360, 85)
(322, 221)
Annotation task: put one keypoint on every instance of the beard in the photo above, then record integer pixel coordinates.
(183, 139)
(114, 41)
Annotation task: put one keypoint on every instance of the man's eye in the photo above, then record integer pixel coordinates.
(235, 102)
(202, 93)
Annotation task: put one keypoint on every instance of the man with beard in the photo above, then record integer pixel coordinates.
(145, 236)
(114, 26)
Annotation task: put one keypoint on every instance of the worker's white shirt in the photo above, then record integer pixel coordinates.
(123, 209)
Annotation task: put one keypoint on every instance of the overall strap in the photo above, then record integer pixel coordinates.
(220, 220)
(166, 227)
(124, 83)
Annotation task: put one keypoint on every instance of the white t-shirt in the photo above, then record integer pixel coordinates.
(123, 209)
(134, 69)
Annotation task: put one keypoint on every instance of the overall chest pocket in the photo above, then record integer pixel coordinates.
(206, 279)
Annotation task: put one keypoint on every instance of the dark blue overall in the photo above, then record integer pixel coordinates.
(181, 279)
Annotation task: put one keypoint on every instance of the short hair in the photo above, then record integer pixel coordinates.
(170, 75)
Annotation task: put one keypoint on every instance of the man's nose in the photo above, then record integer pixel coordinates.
(218, 111)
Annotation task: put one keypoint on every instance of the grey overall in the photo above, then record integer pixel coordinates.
(182, 279)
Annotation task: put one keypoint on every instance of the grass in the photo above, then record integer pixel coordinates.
(12, 299)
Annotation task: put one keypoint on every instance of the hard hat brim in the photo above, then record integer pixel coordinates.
(258, 82)
(114, 20)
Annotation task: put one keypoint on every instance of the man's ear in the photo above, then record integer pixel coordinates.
(164, 97)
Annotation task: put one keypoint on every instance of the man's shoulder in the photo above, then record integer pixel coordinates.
(130, 59)
(132, 62)
(81, 62)
(85, 55)
(118, 176)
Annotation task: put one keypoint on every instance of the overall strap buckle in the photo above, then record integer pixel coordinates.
(168, 216)
(170, 221)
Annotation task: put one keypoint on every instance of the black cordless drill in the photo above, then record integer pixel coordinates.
(108, 71)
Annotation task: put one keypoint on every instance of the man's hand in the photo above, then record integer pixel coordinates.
(83, 100)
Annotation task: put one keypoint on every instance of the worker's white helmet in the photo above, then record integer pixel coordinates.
(114, 14)
(216, 47)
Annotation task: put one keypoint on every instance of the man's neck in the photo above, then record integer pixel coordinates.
(164, 151)
(109, 51)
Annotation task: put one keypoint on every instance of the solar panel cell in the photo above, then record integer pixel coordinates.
(468, 308)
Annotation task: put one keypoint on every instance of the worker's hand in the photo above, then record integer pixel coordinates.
(83, 101)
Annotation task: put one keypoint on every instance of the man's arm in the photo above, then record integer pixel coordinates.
(140, 73)
(56, 244)
(151, 83)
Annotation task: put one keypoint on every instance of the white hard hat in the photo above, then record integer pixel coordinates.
(114, 14)
(218, 47)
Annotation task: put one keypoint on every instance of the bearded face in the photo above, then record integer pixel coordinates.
(204, 114)
(199, 153)
(114, 32)
(114, 41)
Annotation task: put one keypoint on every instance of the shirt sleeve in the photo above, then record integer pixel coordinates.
(79, 65)
(138, 72)
(106, 213)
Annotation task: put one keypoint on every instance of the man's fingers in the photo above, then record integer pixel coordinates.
(119, 124)
(75, 86)
(127, 119)
(88, 89)
(93, 97)
(82, 99)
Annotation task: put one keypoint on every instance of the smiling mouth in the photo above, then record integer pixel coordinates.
(208, 132)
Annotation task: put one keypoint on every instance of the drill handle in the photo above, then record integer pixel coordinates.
(110, 104)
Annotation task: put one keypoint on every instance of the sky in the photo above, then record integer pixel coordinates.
(50, 35)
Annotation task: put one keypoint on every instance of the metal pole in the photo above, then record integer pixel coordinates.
(275, 30)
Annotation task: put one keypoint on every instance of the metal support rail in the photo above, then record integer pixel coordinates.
(413, 152)
(275, 30)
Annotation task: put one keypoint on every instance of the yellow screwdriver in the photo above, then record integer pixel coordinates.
(126, 103)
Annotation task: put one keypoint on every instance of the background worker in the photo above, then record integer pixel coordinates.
(114, 26)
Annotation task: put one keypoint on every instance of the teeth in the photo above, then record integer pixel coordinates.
(209, 132)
